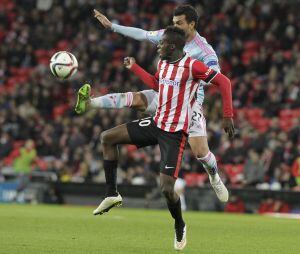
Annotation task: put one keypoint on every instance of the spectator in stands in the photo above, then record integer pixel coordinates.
(261, 55)
(25, 158)
(254, 172)
(296, 173)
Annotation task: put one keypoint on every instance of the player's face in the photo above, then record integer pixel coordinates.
(181, 22)
(164, 49)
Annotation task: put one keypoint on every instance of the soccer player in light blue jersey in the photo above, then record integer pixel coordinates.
(185, 17)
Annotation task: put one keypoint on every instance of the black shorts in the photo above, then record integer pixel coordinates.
(144, 132)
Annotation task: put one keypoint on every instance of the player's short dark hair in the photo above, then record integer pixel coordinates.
(189, 12)
(176, 36)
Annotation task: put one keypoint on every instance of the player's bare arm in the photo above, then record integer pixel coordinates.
(102, 19)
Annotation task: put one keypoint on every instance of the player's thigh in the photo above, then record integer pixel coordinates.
(142, 132)
(139, 101)
(172, 146)
(116, 135)
(167, 183)
(197, 126)
(151, 98)
(197, 132)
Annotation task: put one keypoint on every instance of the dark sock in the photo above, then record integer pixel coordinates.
(110, 169)
(175, 210)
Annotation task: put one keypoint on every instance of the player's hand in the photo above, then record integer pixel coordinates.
(128, 62)
(102, 19)
(228, 126)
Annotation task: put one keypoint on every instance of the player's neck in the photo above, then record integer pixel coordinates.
(191, 36)
(176, 56)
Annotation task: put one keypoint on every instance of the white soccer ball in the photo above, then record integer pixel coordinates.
(63, 64)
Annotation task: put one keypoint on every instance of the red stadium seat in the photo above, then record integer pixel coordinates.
(285, 124)
(296, 113)
(254, 113)
(195, 179)
(247, 56)
(262, 124)
(63, 45)
(251, 46)
(287, 54)
(59, 110)
(233, 172)
(286, 113)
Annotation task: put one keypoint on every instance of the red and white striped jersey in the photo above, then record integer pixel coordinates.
(178, 82)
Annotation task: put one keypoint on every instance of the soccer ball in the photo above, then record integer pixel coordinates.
(63, 64)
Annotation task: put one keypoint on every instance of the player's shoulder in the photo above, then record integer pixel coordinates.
(194, 61)
(202, 44)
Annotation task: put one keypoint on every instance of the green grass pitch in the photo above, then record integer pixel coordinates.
(70, 229)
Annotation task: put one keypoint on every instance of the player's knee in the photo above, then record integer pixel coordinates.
(200, 152)
(167, 190)
(139, 101)
(199, 146)
(106, 138)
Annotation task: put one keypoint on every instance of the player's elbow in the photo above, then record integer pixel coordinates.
(222, 81)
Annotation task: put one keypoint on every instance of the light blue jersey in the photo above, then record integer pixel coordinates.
(198, 48)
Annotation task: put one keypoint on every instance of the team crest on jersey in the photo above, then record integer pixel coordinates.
(153, 33)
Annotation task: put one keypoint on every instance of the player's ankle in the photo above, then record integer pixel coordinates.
(214, 178)
(111, 192)
(179, 223)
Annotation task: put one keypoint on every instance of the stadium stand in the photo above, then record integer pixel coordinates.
(258, 47)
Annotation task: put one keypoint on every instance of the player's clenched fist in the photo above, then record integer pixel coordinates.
(128, 62)
(102, 19)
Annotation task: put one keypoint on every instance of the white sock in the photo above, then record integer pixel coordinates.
(209, 162)
(113, 100)
(182, 201)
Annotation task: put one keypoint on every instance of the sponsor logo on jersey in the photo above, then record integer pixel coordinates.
(208, 72)
(169, 82)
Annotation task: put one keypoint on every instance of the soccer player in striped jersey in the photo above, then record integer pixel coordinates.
(176, 80)
(186, 18)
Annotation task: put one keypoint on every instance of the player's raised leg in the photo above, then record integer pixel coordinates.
(136, 100)
(141, 133)
(109, 142)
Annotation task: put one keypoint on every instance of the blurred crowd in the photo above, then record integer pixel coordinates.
(258, 46)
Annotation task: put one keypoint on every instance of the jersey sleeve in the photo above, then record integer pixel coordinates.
(202, 72)
(212, 62)
(154, 36)
(132, 32)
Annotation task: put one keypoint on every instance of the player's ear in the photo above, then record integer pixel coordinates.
(192, 25)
